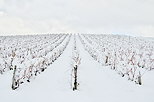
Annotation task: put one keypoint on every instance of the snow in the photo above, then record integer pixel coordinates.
(97, 83)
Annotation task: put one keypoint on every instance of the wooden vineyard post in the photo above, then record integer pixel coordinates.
(75, 78)
(15, 83)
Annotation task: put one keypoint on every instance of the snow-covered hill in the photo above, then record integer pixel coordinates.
(57, 55)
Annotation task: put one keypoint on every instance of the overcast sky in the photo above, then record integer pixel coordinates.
(130, 17)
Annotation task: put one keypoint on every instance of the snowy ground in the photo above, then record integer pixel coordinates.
(96, 83)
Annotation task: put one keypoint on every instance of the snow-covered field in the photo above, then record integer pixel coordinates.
(104, 68)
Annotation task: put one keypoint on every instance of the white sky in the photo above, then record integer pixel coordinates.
(131, 17)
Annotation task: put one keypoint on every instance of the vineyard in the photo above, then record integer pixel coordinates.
(76, 67)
